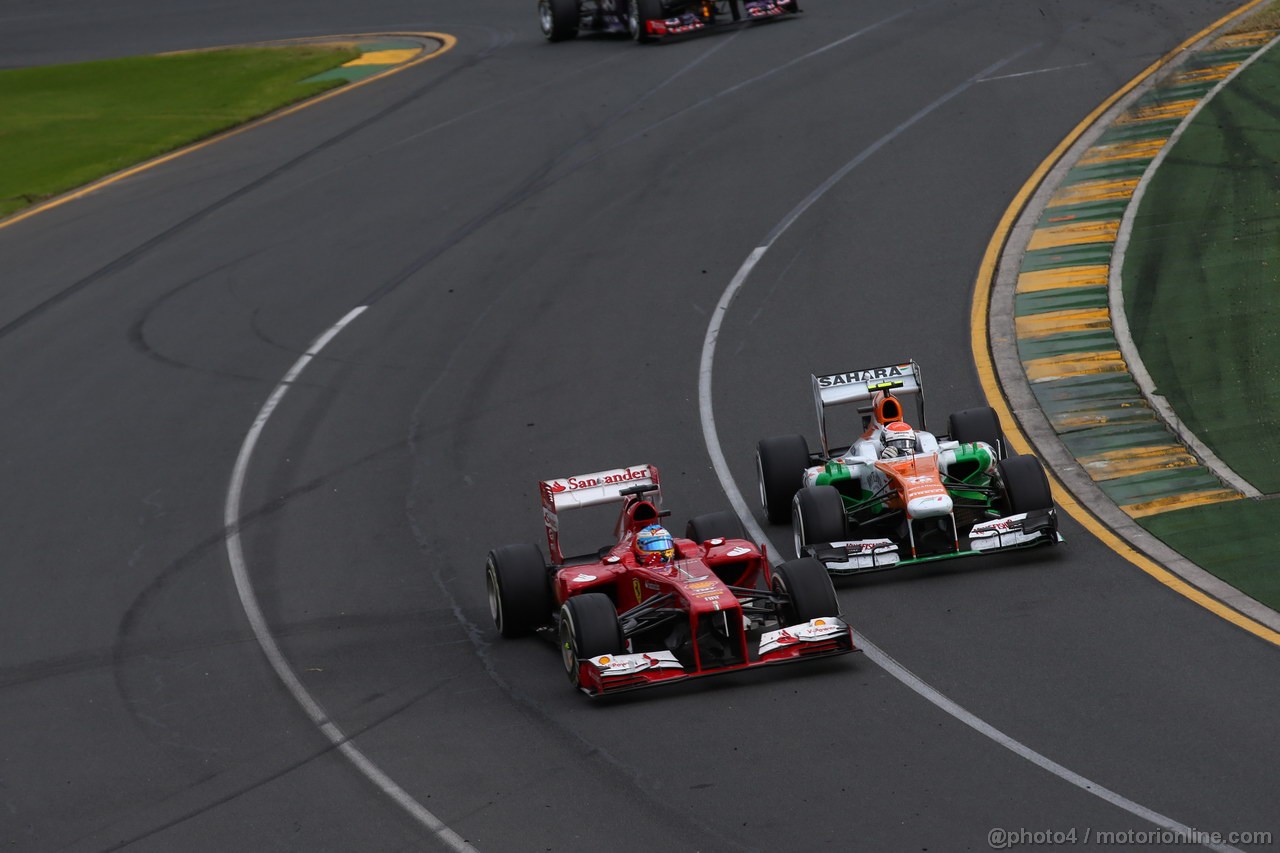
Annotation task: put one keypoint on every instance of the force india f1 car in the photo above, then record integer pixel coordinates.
(646, 20)
(709, 604)
(900, 495)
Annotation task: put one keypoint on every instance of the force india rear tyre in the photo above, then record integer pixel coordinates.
(558, 19)
(588, 628)
(808, 590)
(1026, 488)
(780, 465)
(817, 516)
(519, 589)
(715, 525)
(980, 424)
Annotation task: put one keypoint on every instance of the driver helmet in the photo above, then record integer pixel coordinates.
(899, 439)
(654, 545)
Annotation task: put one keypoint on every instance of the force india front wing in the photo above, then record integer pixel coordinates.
(822, 637)
(1024, 530)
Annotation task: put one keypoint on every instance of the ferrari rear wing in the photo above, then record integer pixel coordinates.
(584, 490)
(860, 386)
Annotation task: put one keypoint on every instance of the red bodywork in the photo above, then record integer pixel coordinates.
(713, 584)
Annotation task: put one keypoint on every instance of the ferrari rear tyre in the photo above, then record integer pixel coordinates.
(980, 424)
(558, 19)
(715, 525)
(1026, 488)
(639, 14)
(588, 628)
(817, 515)
(807, 590)
(780, 465)
(519, 589)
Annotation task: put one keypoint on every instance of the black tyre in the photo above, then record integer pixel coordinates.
(780, 465)
(519, 587)
(808, 590)
(715, 525)
(588, 628)
(558, 19)
(639, 13)
(1026, 487)
(817, 515)
(980, 424)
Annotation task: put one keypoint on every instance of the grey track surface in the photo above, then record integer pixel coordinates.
(544, 229)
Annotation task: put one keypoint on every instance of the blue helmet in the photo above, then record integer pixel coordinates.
(654, 545)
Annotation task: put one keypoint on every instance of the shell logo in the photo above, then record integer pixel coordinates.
(605, 659)
(818, 623)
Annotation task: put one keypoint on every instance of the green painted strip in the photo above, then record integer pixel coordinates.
(1086, 211)
(350, 75)
(1189, 91)
(1068, 342)
(1063, 299)
(1156, 129)
(1082, 390)
(1094, 417)
(1132, 168)
(1085, 254)
(1111, 437)
(1159, 484)
(1221, 57)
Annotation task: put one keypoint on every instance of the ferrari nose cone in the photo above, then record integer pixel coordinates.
(929, 506)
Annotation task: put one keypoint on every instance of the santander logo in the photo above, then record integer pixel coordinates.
(621, 475)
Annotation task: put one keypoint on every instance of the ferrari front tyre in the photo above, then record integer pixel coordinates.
(588, 628)
(519, 588)
(1026, 488)
(715, 525)
(558, 19)
(817, 516)
(780, 465)
(639, 14)
(980, 424)
(806, 590)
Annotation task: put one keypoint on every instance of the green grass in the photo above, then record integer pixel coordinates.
(64, 126)
(1232, 540)
(1202, 275)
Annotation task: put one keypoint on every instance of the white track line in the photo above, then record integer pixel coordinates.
(874, 653)
(262, 631)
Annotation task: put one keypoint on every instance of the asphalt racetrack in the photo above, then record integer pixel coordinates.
(541, 233)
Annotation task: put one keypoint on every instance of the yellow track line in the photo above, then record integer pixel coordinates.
(979, 341)
(447, 43)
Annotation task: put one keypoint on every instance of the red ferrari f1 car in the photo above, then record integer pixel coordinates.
(650, 608)
(646, 20)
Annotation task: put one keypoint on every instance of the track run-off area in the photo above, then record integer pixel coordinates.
(536, 238)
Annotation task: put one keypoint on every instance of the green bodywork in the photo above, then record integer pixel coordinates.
(967, 479)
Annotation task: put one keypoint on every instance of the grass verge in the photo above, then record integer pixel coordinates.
(64, 126)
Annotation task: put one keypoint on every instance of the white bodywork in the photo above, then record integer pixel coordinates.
(806, 632)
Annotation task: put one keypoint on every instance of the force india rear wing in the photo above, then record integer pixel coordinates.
(860, 386)
(583, 490)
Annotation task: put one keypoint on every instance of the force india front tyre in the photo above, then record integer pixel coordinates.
(980, 424)
(817, 516)
(1026, 488)
(780, 465)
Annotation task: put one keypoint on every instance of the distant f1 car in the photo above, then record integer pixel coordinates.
(646, 20)
(900, 495)
(650, 609)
